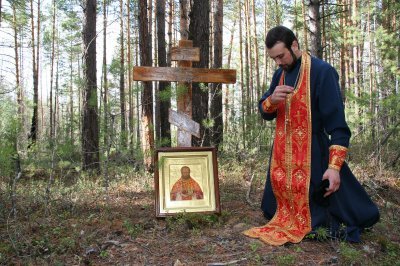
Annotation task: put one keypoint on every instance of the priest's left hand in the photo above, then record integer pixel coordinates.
(334, 181)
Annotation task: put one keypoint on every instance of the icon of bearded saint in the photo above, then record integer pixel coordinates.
(186, 188)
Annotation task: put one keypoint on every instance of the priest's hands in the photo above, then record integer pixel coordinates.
(280, 94)
(334, 181)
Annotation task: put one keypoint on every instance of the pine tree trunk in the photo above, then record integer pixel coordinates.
(105, 79)
(165, 102)
(90, 126)
(38, 73)
(130, 90)
(342, 56)
(199, 32)
(216, 91)
(305, 33)
(122, 77)
(52, 70)
(184, 22)
(323, 33)
(35, 118)
(71, 99)
(170, 24)
(147, 93)
(255, 43)
(18, 86)
(372, 88)
(242, 89)
(229, 98)
(315, 28)
(248, 64)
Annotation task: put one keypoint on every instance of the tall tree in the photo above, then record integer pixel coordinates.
(256, 52)
(129, 62)
(19, 89)
(90, 125)
(183, 22)
(35, 117)
(315, 28)
(53, 40)
(147, 93)
(165, 101)
(199, 32)
(122, 76)
(216, 90)
(242, 88)
(104, 74)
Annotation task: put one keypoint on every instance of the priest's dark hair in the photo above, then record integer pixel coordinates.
(280, 34)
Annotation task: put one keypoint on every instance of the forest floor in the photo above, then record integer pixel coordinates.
(86, 225)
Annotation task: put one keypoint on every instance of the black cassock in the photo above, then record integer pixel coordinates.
(350, 209)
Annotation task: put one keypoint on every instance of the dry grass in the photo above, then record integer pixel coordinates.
(87, 224)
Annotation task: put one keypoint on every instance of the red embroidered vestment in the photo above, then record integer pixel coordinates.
(291, 165)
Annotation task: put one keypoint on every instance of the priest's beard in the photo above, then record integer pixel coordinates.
(290, 67)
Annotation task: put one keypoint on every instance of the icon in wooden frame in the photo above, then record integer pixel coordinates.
(186, 180)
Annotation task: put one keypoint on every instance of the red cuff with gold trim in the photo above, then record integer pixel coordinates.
(267, 106)
(337, 156)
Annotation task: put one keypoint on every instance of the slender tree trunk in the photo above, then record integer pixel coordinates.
(216, 91)
(122, 78)
(266, 28)
(138, 106)
(199, 32)
(17, 80)
(56, 122)
(71, 98)
(255, 43)
(323, 32)
(315, 28)
(129, 62)
(371, 73)
(105, 79)
(165, 101)
(52, 70)
(248, 64)
(147, 93)
(211, 42)
(38, 73)
(90, 126)
(303, 9)
(35, 119)
(170, 24)
(242, 89)
(228, 96)
(342, 56)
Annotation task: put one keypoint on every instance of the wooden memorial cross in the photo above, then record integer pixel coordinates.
(184, 74)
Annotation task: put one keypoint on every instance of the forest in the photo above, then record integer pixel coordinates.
(78, 131)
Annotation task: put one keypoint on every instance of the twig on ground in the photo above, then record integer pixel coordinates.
(226, 263)
(249, 191)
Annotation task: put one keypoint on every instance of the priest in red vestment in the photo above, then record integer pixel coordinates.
(310, 145)
(186, 188)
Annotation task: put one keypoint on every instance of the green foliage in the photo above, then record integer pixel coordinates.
(166, 94)
(349, 255)
(286, 259)
(254, 246)
(104, 254)
(8, 134)
(133, 229)
(322, 233)
(208, 122)
(188, 220)
(66, 244)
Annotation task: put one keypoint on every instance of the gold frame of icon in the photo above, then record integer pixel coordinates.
(202, 162)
